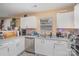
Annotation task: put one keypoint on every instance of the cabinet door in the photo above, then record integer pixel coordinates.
(12, 50)
(17, 47)
(48, 47)
(60, 50)
(4, 51)
(29, 22)
(20, 46)
(39, 46)
(44, 47)
(65, 20)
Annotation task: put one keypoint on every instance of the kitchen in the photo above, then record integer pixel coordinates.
(38, 30)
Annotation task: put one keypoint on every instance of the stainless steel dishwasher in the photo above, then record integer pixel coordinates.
(30, 44)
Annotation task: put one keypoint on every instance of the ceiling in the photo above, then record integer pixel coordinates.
(10, 9)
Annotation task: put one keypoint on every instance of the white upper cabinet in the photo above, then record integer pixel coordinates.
(65, 20)
(28, 22)
(76, 16)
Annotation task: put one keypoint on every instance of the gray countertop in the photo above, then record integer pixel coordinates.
(48, 38)
(53, 38)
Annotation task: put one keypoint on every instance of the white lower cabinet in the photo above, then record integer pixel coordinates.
(43, 47)
(60, 50)
(4, 51)
(51, 48)
(13, 49)
(20, 46)
(48, 47)
(38, 46)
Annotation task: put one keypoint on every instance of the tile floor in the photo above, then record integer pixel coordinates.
(29, 54)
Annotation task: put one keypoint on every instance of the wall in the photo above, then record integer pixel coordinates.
(17, 22)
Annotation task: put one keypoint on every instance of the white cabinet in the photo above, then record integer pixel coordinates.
(44, 47)
(65, 20)
(48, 47)
(51, 47)
(28, 22)
(38, 46)
(76, 16)
(60, 50)
(20, 46)
(13, 48)
(4, 51)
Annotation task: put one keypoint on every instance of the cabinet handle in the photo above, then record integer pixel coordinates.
(8, 49)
